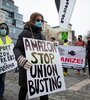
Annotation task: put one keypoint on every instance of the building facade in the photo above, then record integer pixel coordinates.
(12, 18)
(59, 33)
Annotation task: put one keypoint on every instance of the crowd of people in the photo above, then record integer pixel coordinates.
(80, 42)
(32, 29)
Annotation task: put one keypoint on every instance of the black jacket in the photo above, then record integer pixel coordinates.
(19, 49)
(88, 50)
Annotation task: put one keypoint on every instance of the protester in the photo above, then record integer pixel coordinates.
(4, 39)
(32, 29)
(88, 53)
(65, 69)
(80, 42)
(53, 39)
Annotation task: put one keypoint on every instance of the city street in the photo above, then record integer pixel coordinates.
(33, 34)
(78, 87)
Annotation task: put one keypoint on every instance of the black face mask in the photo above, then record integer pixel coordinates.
(79, 39)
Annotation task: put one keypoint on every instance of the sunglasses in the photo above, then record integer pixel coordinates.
(38, 20)
(3, 28)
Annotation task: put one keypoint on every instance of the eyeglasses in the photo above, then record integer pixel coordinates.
(38, 20)
(3, 28)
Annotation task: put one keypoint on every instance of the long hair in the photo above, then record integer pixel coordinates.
(33, 18)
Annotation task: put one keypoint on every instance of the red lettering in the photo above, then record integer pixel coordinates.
(79, 61)
(72, 60)
(62, 59)
(67, 59)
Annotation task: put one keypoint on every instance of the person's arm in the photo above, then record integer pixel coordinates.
(19, 47)
(20, 52)
(84, 43)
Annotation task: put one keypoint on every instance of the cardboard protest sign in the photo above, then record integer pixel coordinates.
(72, 56)
(7, 58)
(46, 74)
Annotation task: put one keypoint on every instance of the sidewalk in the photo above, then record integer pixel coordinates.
(78, 87)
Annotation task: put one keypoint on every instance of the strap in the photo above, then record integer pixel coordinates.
(1, 42)
(8, 40)
(32, 33)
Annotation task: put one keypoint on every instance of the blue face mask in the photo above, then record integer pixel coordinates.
(39, 24)
(3, 32)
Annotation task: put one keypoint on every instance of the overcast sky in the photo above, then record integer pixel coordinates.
(79, 20)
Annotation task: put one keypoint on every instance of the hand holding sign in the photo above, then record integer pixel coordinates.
(46, 75)
(27, 65)
(24, 62)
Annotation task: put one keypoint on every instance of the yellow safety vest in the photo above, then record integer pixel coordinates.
(65, 44)
(8, 40)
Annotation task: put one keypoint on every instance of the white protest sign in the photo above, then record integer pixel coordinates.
(65, 11)
(72, 56)
(46, 74)
(7, 58)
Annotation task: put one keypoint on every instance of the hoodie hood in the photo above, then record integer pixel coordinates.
(4, 24)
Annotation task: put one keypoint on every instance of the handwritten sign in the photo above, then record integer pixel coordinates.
(7, 58)
(72, 56)
(45, 75)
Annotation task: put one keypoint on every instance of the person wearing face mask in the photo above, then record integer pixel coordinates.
(65, 70)
(4, 39)
(88, 53)
(32, 29)
(80, 42)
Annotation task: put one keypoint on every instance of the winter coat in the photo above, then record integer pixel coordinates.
(88, 50)
(19, 49)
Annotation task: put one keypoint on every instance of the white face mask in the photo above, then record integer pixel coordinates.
(3, 32)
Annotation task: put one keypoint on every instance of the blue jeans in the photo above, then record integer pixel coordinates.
(2, 83)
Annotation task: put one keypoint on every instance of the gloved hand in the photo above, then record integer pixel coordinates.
(27, 65)
(24, 62)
